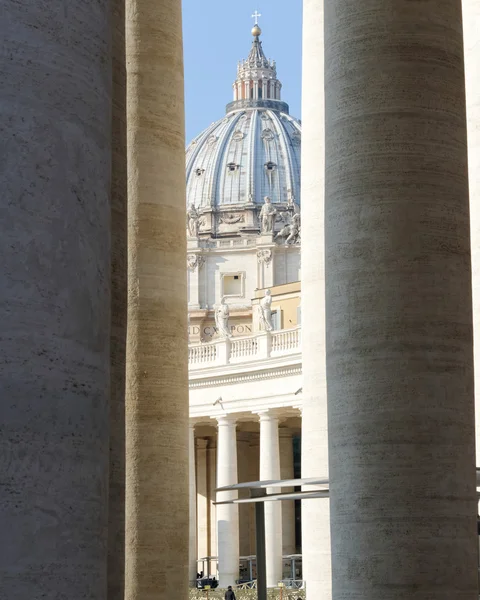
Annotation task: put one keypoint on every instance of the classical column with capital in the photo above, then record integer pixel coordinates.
(398, 303)
(270, 469)
(157, 473)
(227, 514)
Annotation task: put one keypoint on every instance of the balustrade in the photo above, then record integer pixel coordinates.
(235, 350)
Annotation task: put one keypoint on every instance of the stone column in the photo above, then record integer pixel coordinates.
(288, 507)
(192, 552)
(399, 315)
(157, 493)
(471, 29)
(118, 206)
(243, 447)
(55, 175)
(254, 462)
(203, 506)
(270, 469)
(227, 514)
(212, 497)
(212, 483)
(315, 513)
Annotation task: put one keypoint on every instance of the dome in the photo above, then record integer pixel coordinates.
(244, 157)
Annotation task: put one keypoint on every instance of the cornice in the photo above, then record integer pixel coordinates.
(244, 377)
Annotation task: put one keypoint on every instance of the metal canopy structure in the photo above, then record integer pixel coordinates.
(258, 496)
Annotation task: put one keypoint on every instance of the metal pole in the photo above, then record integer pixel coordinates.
(261, 558)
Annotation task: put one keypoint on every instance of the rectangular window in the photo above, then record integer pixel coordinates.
(233, 284)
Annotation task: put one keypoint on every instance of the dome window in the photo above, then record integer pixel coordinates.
(270, 166)
(232, 167)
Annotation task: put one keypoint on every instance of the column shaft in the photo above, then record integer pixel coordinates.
(227, 514)
(203, 506)
(157, 377)
(254, 463)
(55, 172)
(212, 497)
(243, 447)
(399, 315)
(315, 514)
(116, 496)
(288, 507)
(270, 469)
(192, 550)
(471, 28)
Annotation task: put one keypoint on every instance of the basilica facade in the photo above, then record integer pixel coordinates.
(244, 237)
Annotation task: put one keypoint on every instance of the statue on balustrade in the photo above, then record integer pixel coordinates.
(291, 232)
(193, 221)
(222, 314)
(266, 311)
(267, 215)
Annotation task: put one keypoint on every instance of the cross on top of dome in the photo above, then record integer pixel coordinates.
(255, 16)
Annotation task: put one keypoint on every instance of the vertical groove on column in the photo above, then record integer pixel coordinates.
(399, 319)
(55, 162)
(116, 503)
(156, 560)
(315, 514)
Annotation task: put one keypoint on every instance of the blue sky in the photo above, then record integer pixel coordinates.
(217, 35)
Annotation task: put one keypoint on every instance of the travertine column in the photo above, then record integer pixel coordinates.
(270, 469)
(315, 514)
(288, 506)
(212, 486)
(118, 206)
(471, 33)
(157, 493)
(203, 505)
(399, 318)
(254, 463)
(192, 551)
(227, 514)
(55, 172)
(243, 448)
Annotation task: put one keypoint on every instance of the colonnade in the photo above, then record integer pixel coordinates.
(399, 351)
(242, 456)
(94, 397)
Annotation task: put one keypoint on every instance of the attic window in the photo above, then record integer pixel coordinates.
(232, 167)
(270, 166)
(199, 172)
